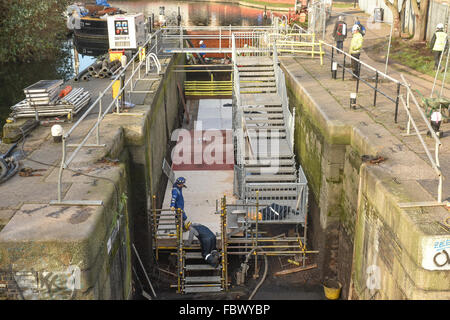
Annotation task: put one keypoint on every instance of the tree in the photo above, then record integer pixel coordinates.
(396, 14)
(31, 30)
(420, 8)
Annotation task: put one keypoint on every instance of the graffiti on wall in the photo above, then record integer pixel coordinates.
(38, 285)
(436, 253)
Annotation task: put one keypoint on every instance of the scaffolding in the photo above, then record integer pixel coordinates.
(238, 237)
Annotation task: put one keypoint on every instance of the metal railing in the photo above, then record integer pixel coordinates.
(152, 48)
(289, 118)
(297, 192)
(221, 34)
(434, 161)
(396, 99)
(378, 76)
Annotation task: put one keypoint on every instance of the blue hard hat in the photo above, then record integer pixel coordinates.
(180, 180)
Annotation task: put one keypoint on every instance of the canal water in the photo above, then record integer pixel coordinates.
(15, 77)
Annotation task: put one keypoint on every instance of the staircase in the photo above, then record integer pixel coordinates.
(200, 277)
(268, 157)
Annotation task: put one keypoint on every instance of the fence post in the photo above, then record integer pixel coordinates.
(332, 58)
(61, 169)
(99, 116)
(357, 82)
(396, 102)
(343, 68)
(376, 89)
(408, 127)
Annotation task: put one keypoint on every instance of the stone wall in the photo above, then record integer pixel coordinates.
(373, 247)
(59, 252)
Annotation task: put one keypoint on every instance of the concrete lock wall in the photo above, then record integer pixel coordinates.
(374, 248)
(50, 252)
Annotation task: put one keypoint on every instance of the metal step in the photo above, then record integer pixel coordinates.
(271, 178)
(265, 121)
(263, 109)
(199, 267)
(257, 116)
(211, 279)
(256, 68)
(270, 158)
(248, 79)
(193, 255)
(259, 163)
(258, 90)
(256, 74)
(257, 84)
(202, 289)
(272, 170)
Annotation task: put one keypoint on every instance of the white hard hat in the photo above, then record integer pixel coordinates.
(201, 42)
(440, 26)
(355, 28)
(57, 130)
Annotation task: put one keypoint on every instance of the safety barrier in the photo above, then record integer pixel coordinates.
(397, 98)
(335, 64)
(152, 48)
(208, 88)
(434, 162)
(248, 218)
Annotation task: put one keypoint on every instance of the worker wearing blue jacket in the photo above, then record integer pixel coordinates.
(177, 201)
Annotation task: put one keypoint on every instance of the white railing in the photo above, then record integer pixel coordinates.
(434, 161)
(135, 69)
(222, 34)
(294, 196)
(288, 117)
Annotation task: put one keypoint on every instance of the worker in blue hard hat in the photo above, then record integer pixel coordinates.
(177, 201)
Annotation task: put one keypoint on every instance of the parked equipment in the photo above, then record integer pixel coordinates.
(45, 98)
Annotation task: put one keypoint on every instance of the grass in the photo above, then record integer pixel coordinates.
(417, 56)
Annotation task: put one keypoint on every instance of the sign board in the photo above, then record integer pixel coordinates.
(436, 253)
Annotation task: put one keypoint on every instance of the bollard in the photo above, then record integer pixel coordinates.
(353, 100)
(334, 70)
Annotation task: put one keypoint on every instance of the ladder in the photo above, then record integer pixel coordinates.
(194, 274)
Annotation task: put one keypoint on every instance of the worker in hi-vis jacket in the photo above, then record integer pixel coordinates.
(355, 50)
(438, 44)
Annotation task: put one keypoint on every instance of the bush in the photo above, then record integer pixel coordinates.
(31, 30)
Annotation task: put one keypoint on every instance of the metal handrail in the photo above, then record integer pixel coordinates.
(363, 63)
(434, 162)
(101, 115)
(358, 77)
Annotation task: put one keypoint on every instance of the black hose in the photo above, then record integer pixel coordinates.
(4, 169)
(266, 266)
(11, 169)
